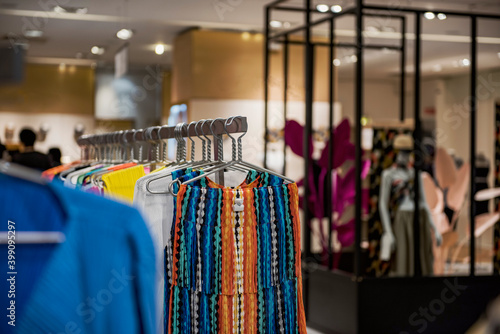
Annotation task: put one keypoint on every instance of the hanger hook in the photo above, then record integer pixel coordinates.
(233, 140)
(220, 144)
(209, 144)
(240, 145)
(184, 144)
(192, 140)
(203, 141)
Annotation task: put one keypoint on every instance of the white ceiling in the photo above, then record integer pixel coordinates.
(159, 21)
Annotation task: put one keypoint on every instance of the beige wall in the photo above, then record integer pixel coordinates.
(229, 65)
(49, 89)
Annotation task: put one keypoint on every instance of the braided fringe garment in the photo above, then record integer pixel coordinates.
(235, 270)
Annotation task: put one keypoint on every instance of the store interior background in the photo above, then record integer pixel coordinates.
(212, 67)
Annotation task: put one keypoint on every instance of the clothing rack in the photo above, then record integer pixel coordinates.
(156, 134)
(339, 302)
(208, 127)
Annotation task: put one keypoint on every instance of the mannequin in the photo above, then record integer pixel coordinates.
(396, 206)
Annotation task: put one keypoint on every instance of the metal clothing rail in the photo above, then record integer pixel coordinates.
(359, 11)
(208, 127)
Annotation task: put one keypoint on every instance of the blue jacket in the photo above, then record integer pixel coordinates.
(99, 280)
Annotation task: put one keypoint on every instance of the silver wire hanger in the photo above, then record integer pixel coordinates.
(21, 172)
(239, 161)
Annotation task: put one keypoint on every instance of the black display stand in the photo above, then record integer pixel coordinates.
(353, 303)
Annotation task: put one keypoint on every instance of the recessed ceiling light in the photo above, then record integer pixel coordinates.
(276, 24)
(429, 15)
(62, 66)
(33, 33)
(286, 24)
(97, 50)
(71, 10)
(465, 62)
(322, 8)
(441, 16)
(124, 34)
(59, 9)
(354, 58)
(245, 35)
(437, 68)
(82, 10)
(159, 49)
(336, 62)
(372, 29)
(336, 8)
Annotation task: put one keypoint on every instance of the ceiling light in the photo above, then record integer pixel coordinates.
(286, 24)
(59, 9)
(71, 10)
(437, 68)
(441, 16)
(336, 9)
(276, 24)
(354, 58)
(82, 10)
(33, 33)
(429, 15)
(455, 63)
(465, 62)
(97, 50)
(336, 62)
(372, 29)
(159, 49)
(62, 66)
(245, 35)
(322, 8)
(124, 34)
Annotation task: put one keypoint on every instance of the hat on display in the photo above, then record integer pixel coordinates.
(403, 142)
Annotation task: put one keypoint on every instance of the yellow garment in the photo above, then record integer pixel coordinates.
(120, 184)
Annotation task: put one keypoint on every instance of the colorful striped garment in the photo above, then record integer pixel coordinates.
(233, 262)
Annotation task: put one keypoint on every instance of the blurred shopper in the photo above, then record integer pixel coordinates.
(3, 150)
(54, 156)
(28, 156)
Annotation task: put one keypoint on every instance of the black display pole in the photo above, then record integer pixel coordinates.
(266, 81)
(309, 81)
(417, 269)
(285, 94)
(473, 106)
(330, 142)
(402, 100)
(358, 102)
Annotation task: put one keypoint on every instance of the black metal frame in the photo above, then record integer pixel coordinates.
(360, 10)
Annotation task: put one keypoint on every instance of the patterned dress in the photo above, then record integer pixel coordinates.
(234, 260)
